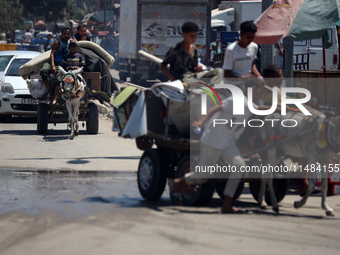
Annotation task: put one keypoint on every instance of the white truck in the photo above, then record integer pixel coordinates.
(230, 14)
(308, 54)
(154, 26)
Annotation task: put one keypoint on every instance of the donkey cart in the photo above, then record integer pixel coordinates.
(167, 155)
(88, 112)
(60, 112)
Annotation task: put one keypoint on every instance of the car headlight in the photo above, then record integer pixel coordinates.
(7, 88)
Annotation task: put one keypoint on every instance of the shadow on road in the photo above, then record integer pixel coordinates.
(20, 119)
(19, 132)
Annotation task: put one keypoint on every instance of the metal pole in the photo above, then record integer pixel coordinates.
(287, 71)
(266, 50)
(105, 9)
(324, 70)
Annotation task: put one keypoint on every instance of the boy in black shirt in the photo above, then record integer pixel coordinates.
(183, 59)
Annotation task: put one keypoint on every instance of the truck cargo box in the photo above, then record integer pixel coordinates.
(154, 26)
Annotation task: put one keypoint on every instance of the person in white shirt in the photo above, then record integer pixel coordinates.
(240, 55)
(28, 37)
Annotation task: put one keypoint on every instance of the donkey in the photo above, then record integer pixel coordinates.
(72, 90)
(301, 142)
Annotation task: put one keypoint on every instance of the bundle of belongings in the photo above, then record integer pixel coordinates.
(96, 60)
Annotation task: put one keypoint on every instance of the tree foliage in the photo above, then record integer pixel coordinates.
(11, 16)
(49, 10)
(14, 12)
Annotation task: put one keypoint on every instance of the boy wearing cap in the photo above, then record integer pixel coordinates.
(73, 60)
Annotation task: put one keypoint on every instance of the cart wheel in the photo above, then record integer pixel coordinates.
(220, 185)
(194, 195)
(280, 188)
(150, 177)
(42, 121)
(93, 123)
(144, 143)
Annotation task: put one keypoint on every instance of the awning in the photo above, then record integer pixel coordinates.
(103, 33)
(300, 19)
(40, 23)
(314, 17)
(276, 21)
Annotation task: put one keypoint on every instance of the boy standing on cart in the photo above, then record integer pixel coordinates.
(183, 59)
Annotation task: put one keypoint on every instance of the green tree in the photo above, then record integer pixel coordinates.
(11, 16)
(50, 10)
(78, 12)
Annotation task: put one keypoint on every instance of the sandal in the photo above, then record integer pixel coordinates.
(175, 197)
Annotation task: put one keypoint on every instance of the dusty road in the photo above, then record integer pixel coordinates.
(104, 214)
(23, 148)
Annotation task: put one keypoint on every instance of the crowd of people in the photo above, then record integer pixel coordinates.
(109, 41)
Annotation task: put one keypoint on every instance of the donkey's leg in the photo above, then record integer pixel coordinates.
(267, 179)
(310, 189)
(324, 184)
(70, 118)
(271, 163)
(260, 200)
(76, 106)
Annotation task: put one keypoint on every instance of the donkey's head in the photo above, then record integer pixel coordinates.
(69, 82)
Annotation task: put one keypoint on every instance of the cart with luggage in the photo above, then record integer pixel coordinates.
(169, 149)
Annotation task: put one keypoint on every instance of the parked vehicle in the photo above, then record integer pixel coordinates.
(41, 38)
(230, 14)
(15, 97)
(154, 26)
(19, 36)
(308, 54)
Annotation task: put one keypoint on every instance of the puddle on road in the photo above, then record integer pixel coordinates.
(67, 194)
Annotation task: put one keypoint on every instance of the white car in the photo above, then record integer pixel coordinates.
(15, 98)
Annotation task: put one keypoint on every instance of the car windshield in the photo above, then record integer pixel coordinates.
(13, 69)
(4, 60)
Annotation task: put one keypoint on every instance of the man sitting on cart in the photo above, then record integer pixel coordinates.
(183, 59)
(219, 142)
(59, 50)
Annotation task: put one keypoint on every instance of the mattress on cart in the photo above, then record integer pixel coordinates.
(96, 59)
(34, 65)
